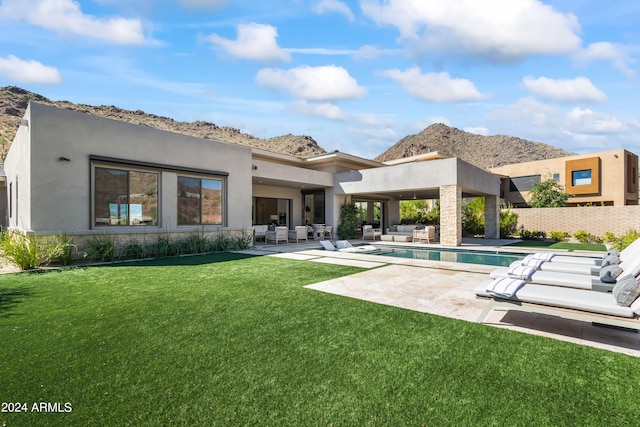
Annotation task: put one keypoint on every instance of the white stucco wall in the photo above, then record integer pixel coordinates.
(416, 176)
(17, 168)
(61, 190)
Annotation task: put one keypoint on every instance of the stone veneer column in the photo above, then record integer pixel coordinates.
(450, 215)
(491, 217)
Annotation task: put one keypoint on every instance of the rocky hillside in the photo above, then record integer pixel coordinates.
(482, 151)
(14, 100)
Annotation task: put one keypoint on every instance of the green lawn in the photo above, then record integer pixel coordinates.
(228, 340)
(559, 245)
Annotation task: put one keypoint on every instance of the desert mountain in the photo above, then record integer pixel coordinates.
(482, 151)
(14, 101)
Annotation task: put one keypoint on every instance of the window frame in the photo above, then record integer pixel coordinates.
(223, 197)
(128, 168)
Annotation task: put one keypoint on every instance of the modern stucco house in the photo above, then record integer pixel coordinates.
(607, 178)
(76, 173)
(71, 172)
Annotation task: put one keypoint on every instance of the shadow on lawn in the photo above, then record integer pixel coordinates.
(200, 259)
(10, 298)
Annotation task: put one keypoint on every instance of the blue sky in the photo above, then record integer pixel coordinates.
(355, 75)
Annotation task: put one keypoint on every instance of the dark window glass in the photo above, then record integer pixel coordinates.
(199, 201)
(124, 197)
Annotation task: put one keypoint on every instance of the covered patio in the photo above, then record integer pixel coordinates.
(447, 179)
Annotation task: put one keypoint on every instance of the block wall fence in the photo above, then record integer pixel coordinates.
(597, 220)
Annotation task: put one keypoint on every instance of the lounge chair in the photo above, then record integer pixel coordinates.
(345, 246)
(630, 263)
(595, 261)
(580, 264)
(603, 282)
(620, 308)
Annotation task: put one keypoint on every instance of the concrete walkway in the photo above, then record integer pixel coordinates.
(446, 289)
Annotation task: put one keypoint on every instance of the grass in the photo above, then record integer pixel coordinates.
(559, 245)
(227, 340)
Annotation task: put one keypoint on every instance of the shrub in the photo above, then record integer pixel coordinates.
(531, 235)
(508, 221)
(625, 240)
(243, 241)
(196, 244)
(609, 237)
(560, 236)
(473, 216)
(165, 246)
(348, 222)
(222, 242)
(584, 236)
(135, 249)
(60, 249)
(21, 249)
(101, 247)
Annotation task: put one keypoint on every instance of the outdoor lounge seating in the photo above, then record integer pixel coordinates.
(299, 233)
(629, 251)
(428, 234)
(280, 234)
(369, 232)
(260, 231)
(345, 246)
(621, 309)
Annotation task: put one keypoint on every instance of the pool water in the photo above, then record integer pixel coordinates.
(501, 259)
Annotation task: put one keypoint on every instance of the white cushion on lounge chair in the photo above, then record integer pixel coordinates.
(546, 256)
(577, 299)
(504, 287)
(521, 272)
(570, 280)
(341, 244)
(327, 245)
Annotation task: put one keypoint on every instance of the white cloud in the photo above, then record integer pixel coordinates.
(618, 55)
(28, 71)
(579, 89)
(327, 6)
(324, 109)
(203, 4)
(255, 42)
(434, 87)
(325, 83)
(320, 51)
(577, 129)
(496, 29)
(590, 122)
(372, 52)
(65, 16)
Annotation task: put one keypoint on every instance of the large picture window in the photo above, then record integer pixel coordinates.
(125, 197)
(200, 201)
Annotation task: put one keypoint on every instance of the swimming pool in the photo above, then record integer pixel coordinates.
(501, 259)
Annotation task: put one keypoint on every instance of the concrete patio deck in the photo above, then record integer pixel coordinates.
(445, 289)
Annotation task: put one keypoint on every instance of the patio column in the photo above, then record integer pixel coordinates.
(491, 217)
(450, 215)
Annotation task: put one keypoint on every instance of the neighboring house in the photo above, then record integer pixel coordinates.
(607, 178)
(75, 173)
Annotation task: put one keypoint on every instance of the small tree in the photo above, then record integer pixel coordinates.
(348, 222)
(547, 194)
